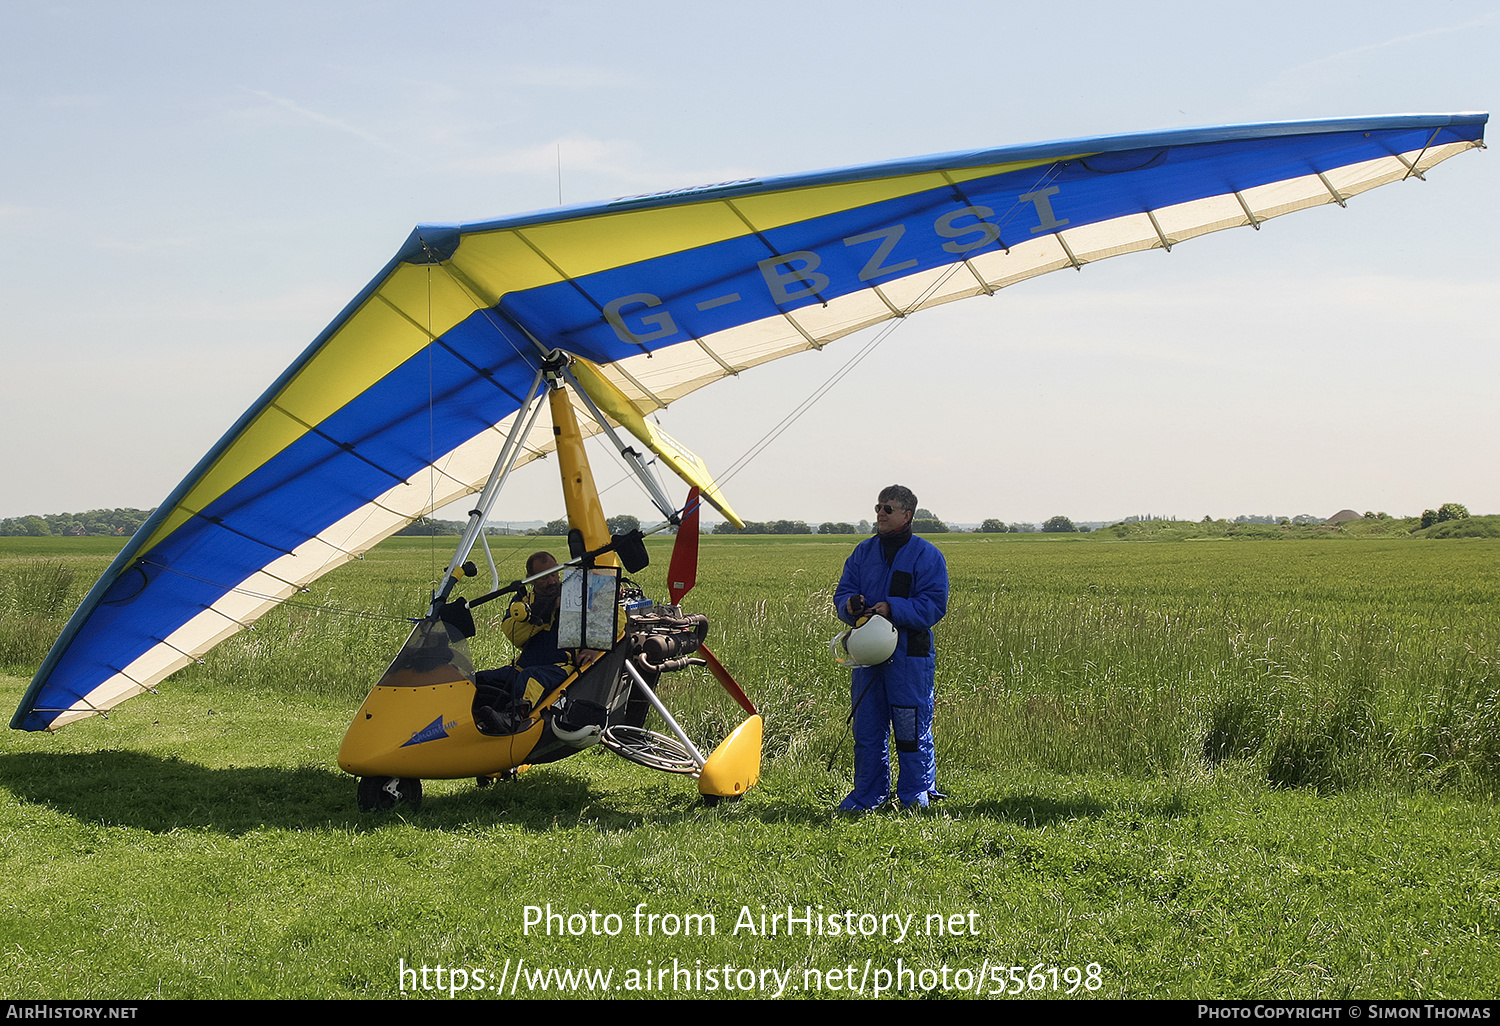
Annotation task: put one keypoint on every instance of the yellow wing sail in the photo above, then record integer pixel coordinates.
(685, 463)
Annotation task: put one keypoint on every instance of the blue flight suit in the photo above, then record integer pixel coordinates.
(897, 695)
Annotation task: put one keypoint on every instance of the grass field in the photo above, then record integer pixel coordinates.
(1217, 768)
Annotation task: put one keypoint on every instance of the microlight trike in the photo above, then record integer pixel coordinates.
(418, 722)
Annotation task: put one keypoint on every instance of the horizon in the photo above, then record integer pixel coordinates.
(524, 526)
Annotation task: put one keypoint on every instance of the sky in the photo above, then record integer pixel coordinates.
(190, 192)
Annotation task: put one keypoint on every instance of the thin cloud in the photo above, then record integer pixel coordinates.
(323, 119)
(1387, 44)
(1334, 67)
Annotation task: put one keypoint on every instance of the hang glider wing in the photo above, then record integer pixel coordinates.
(399, 407)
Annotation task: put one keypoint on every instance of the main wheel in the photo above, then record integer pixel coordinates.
(381, 794)
(648, 748)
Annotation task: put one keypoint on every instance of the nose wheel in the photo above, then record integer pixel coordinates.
(381, 794)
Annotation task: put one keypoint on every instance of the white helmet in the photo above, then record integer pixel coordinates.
(869, 644)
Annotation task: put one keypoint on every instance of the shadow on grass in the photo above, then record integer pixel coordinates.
(149, 792)
(1029, 811)
(160, 794)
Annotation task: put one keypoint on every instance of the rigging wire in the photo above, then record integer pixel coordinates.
(431, 431)
(818, 393)
(885, 332)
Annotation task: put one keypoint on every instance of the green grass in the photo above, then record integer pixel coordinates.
(1210, 770)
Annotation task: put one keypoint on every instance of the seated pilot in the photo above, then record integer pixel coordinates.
(504, 697)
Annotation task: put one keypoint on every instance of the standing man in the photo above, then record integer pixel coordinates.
(503, 698)
(904, 579)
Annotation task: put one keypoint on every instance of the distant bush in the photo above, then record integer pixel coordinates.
(1447, 511)
(1468, 527)
(1058, 525)
(928, 526)
(424, 527)
(622, 524)
(772, 527)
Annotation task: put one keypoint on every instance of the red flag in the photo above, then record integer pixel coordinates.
(683, 573)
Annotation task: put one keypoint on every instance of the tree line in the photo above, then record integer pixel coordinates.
(62, 525)
(118, 522)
